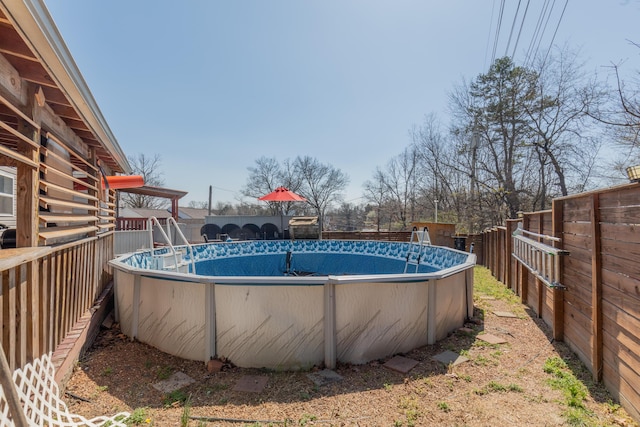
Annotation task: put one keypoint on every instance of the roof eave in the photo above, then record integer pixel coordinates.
(32, 19)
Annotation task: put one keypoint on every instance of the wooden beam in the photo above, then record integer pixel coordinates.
(596, 290)
(59, 232)
(27, 185)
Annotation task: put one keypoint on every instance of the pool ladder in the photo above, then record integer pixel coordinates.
(172, 260)
(417, 243)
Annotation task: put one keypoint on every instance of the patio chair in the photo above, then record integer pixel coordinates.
(39, 396)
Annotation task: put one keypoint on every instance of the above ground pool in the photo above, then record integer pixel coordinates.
(284, 304)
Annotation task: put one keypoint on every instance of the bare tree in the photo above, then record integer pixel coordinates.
(321, 184)
(375, 191)
(149, 168)
(400, 181)
(562, 134)
(269, 174)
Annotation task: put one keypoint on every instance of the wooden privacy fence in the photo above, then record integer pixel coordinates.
(596, 311)
(45, 291)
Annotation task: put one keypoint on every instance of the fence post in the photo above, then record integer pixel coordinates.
(557, 219)
(596, 289)
(512, 224)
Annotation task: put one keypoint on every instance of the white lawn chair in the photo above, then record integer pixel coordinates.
(39, 397)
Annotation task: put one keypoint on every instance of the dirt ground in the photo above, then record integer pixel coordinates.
(500, 385)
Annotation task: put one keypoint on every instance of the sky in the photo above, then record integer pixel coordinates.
(211, 86)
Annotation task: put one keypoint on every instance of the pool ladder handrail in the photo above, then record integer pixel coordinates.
(416, 246)
(150, 222)
(184, 239)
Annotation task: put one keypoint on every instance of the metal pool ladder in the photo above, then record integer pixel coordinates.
(417, 243)
(163, 261)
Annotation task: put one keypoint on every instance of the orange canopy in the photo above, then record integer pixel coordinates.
(117, 182)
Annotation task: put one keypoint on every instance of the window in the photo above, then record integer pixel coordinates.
(6, 195)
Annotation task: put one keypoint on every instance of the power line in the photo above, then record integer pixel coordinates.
(544, 29)
(536, 31)
(513, 26)
(521, 26)
(556, 31)
(495, 41)
(486, 49)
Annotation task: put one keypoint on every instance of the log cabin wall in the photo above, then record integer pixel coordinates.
(598, 313)
(55, 141)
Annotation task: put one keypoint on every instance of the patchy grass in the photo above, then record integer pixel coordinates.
(484, 284)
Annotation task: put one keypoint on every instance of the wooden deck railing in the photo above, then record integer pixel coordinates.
(126, 223)
(44, 291)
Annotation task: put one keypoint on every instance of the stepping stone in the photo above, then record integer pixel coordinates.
(450, 358)
(175, 382)
(504, 314)
(491, 339)
(251, 383)
(401, 364)
(324, 377)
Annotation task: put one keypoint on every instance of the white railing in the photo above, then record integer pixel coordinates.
(170, 221)
(151, 222)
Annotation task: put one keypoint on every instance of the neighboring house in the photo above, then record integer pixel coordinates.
(7, 197)
(55, 148)
(191, 220)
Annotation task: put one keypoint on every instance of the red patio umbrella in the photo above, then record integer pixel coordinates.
(282, 194)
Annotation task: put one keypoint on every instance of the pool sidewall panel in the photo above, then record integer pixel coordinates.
(375, 320)
(172, 316)
(450, 305)
(275, 327)
(124, 300)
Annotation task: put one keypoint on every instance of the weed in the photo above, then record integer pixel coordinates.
(175, 397)
(306, 418)
(164, 372)
(450, 385)
(138, 417)
(515, 387)
(481, 360)
(444, 406)
(575, 392)
(467, 378)
(410, 406)
(107, 371)
(148, 364)
(412, 416)
(305, 395)
(397, 423)
(102, 387)
(495, 387)
(388, 387)
(612, 407)
(184, 417)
